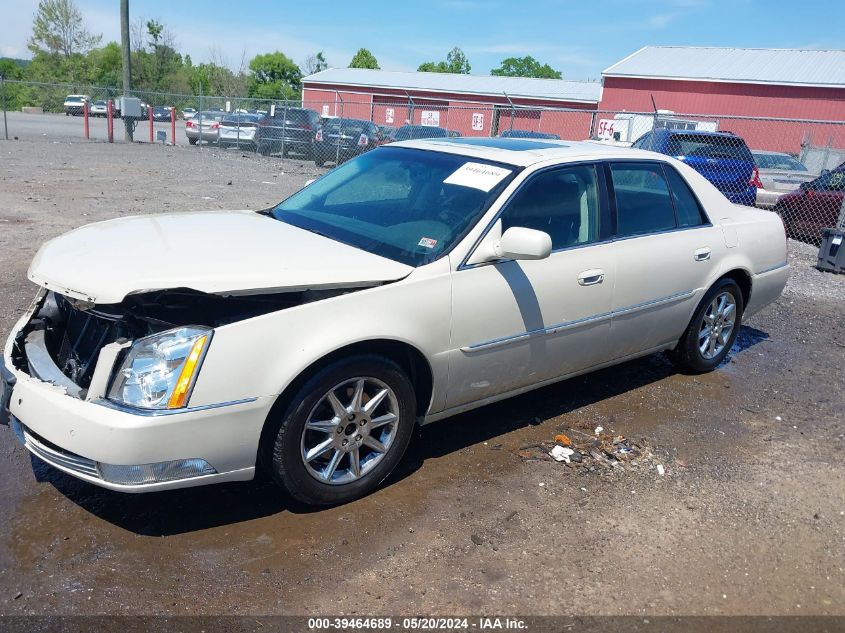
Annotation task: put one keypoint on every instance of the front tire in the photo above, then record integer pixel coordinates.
(712, 330)
(344, 431)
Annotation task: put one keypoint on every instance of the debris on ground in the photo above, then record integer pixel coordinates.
(589, 453)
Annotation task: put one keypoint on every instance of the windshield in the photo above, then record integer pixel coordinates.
(778, 161)
(408, 132)
(405, 204)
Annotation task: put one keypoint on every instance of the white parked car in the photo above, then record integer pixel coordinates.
(99, 108)
(414, 282)
(74, 105)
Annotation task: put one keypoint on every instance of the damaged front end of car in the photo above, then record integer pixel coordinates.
(143, 352)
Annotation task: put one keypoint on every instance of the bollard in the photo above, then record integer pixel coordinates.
(85, 128)
(173, 125)
(150, 112)
(110, 113)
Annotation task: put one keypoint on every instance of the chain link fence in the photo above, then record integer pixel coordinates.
(792, 166)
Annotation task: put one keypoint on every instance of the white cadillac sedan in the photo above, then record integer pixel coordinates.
(411, 283)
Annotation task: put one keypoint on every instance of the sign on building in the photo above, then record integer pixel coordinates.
(388, 115)
(325, 109)
(478, 121)
(430, 118)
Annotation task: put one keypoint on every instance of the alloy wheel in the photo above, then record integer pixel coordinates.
(717, 325)
(350, 430)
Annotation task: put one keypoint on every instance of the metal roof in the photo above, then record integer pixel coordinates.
(484, 85)
(782, 66)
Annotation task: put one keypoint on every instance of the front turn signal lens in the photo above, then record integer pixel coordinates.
(187, 375)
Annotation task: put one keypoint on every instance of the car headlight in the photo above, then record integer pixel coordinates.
(159, 371)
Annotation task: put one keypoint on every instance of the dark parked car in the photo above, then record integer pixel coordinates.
(240, 129)
(815, 206)
(342, 139)
(408, 132)
(721, 157)
(290, 131)
(161, 113)
(529, 134)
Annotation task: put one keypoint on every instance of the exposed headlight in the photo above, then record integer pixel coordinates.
(160, 370)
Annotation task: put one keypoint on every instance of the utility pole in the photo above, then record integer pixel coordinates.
(127, 65)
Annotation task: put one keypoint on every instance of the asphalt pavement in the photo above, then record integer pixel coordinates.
(30, 127)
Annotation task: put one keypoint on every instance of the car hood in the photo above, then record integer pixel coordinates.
(228, 253)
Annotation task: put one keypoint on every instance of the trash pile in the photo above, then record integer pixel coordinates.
(589, 453)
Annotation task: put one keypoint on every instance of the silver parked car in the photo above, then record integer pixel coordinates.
(205, 126)
(779, 174)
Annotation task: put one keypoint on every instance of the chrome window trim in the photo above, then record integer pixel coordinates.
(677, 229)
(611, 194)
(158, 412)
(567, 325)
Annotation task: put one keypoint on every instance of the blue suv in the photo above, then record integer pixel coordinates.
(721, 157)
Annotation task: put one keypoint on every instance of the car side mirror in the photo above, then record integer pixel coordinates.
(522, 243)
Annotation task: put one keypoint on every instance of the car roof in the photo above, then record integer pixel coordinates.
(525, 151)
(765, 152)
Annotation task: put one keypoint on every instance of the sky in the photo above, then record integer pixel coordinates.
(577, 37)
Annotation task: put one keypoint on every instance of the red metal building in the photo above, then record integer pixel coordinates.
(761, 84)
(471, 105)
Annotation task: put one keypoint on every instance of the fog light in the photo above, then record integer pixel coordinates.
(155, 473)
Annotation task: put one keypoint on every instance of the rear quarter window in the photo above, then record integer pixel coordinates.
(689, 209)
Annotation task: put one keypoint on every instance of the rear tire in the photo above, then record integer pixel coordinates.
(783, 214)
(327, 447)
(712, 331)
(192, 141)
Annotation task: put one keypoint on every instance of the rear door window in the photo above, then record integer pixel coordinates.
(643, 202)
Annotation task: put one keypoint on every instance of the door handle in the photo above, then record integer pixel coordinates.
(702, 254)
(591, 277)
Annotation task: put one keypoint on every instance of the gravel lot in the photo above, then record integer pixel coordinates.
(748, 519)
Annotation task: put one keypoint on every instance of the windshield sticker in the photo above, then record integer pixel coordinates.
(427, 242)
(477, 176)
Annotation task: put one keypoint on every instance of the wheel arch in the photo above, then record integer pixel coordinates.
(410, 359)
(743, 279)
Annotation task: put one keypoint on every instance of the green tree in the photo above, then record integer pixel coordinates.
(59, 42)
(456, 62)
(57, 29)
(315, 63)
(364, 59)
(274, 75)
(525, 67)
(212, 79)
(105, 65)
(12, 70)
